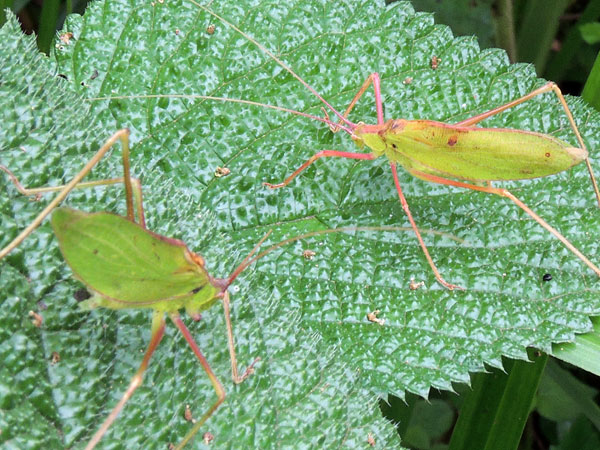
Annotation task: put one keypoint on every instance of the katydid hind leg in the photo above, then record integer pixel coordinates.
(406, 209)
(548, 87)
(132, 188)
(220, 391)
(505, 193)
(237, 378)
(158, 331)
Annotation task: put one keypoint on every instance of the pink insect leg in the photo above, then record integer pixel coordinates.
(376, 81)
(220, 391)
(321, 154)
(505, 193)
(404, 204)
(158, 331)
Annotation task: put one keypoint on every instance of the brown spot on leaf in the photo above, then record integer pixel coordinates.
(371, 439)
(36, 319)
(222, 172)
(547, 155)
(413, 285)
(207, 437)
(81, 294)
(65, 38)
(188, 414)
(309, 254)
(372, 317)
(452, 140)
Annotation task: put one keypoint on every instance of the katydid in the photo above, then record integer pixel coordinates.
(461, 154)
(124, 265)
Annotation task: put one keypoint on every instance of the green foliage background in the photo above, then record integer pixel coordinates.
(322, 360)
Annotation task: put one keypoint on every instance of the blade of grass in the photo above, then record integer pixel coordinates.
(495, 412)
(505, 29)
(560, 62)
(574, 394)
(591, 90)
(4, 4)
(537, 30)
(585, 351)
(47, 28)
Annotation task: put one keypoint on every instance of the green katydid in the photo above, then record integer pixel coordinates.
(461, 154)
(124, 265)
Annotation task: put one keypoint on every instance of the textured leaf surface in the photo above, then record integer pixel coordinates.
(57, 382)
(431, 337)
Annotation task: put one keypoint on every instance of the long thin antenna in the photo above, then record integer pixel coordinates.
(277, 60)
(249, 260)
(239, 269)
(226, 100)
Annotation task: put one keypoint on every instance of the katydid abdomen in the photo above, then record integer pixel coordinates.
(128, 266)
(469, 153)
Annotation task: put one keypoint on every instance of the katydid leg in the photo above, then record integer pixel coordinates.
(505, 193)
(406, 209)
(321, 154)
(237, 379)
(123, 137)
(371, 79)
(158, 330)
(209, 372)
(548, 87)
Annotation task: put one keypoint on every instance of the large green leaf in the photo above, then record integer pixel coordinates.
(431, 337)
(58, 381)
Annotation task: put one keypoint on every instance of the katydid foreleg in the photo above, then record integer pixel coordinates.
(371, 79)
(315, 157)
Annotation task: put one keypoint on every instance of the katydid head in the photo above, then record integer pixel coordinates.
(373, 136)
